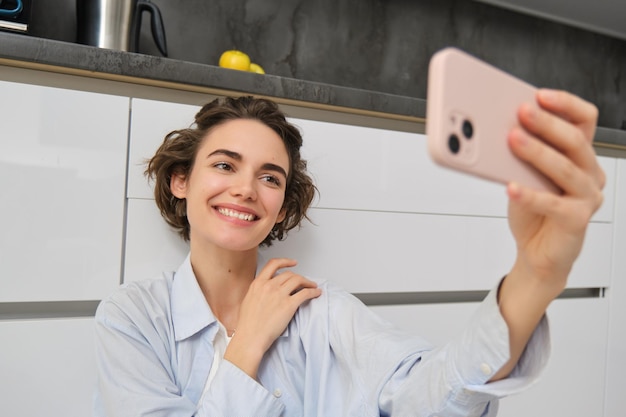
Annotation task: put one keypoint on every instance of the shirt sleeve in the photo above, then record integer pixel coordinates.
(136, 377)
(453, 380)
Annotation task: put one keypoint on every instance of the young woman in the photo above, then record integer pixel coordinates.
(225, 336)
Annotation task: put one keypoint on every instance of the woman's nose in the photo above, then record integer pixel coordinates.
(244, 187)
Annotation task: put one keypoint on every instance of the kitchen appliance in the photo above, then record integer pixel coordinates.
(10, 10)
(14, 15)
(116, 24)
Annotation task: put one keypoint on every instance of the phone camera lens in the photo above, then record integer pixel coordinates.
(454, 144)
(468, 129)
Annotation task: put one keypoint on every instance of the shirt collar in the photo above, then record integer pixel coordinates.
(190, 311)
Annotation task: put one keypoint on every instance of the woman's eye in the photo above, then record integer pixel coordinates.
(223, 166)
(271, 179)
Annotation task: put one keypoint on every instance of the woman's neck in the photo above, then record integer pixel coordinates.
(224, 278)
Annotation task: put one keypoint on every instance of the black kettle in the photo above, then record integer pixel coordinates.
(115, 24)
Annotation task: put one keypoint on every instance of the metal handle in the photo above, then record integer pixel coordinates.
(156, 24)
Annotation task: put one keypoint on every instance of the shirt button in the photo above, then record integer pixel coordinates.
(277, 393)
(485, 369)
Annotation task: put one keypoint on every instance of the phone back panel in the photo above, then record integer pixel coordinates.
(462, 88)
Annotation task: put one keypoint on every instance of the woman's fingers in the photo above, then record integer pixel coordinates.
(559, 134)
(557, 138)
(285, 283)
(559, 168)
(574, 212)
(571, 108)
(271, 268)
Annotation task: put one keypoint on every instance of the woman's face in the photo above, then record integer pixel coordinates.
(236, 188)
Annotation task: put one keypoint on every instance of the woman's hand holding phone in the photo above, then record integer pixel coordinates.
(555, 136)
(485, 122)
(539, 143)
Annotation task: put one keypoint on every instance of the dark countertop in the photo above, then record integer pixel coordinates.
(27, 49)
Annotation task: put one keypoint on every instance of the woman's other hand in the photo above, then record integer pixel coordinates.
(269, 305)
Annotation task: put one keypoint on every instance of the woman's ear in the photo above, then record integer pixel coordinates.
(178, 186)
(281, 215)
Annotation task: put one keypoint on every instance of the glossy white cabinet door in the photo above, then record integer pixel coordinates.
(573, 382)
(48, 367)
(152, 247)
(62, 174)
(368, 251)
(150, 122)
(364, 168)
(387, 219)
(355, 167)
(616, 362)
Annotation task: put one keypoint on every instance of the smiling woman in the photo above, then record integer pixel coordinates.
(234, 197)
(227, 335)
(179, 151)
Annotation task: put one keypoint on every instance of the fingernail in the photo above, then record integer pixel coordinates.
(514, 191)
(547, 95)
(519, 137)
(530, 110)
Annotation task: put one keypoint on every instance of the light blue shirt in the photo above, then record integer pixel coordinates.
(336, 358)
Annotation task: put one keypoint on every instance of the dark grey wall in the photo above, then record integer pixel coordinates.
(379, 45)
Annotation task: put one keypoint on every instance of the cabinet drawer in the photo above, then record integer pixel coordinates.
(48, 367)
(354, 167)
(365, 168)
(578, 338)
(150, 122)
(394, 252)
(62, 173)
(152, 247)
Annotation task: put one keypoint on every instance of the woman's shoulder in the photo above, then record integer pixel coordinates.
(335, 305)
(336, 297)
(352, 328)
(136, 301)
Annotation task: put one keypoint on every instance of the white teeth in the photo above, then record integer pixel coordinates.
(236, 214)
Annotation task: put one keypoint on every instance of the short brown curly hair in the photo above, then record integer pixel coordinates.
(177, 154)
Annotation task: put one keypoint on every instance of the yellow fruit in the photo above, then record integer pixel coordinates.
(256, 68)
(234, 59)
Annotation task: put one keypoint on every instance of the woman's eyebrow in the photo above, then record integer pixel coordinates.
(237, 157)
(273, 167)
(231, 154)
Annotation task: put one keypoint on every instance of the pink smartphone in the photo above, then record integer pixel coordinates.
(470, 108)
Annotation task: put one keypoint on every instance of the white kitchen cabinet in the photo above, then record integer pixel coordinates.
(573, 382)
(355, 167)
(362, 168)
(152, 247)
(151, 121)
(374, 252)
(48, 367)
(387, 220)
(616, 349)
(62, 174)
(371, 251)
